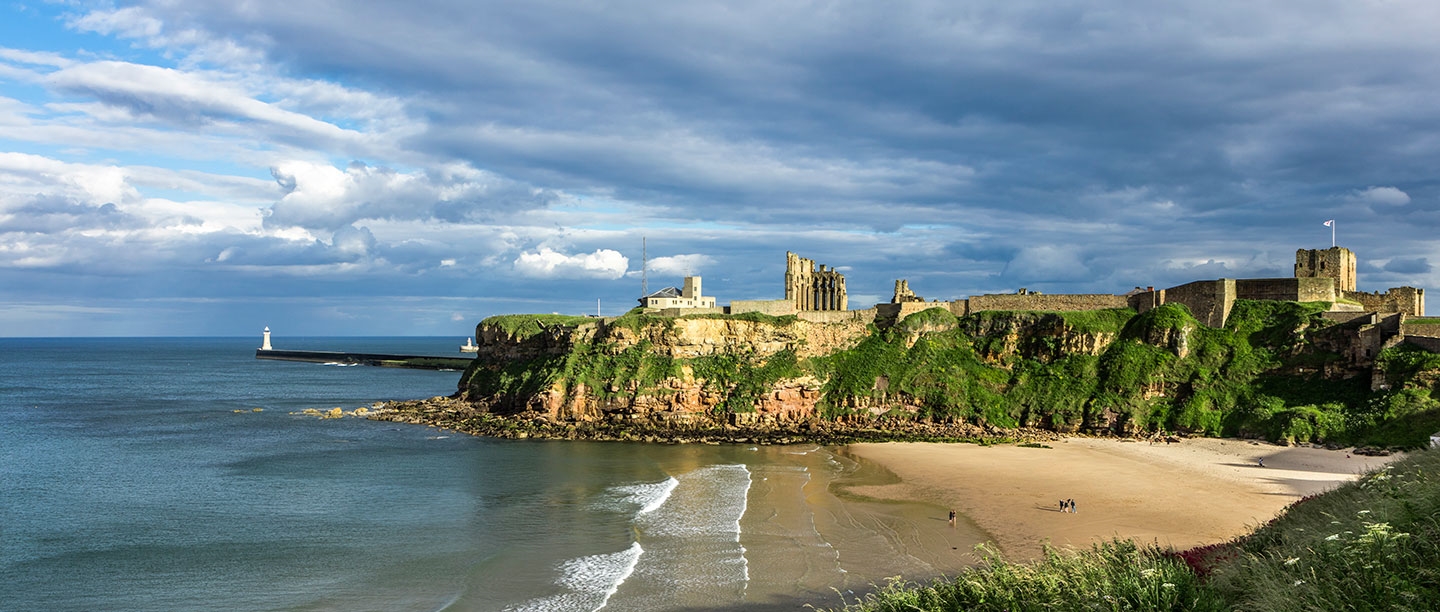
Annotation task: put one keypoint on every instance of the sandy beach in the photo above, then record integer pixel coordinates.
(1196, 491)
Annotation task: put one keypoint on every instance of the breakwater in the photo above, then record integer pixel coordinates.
(414, 362)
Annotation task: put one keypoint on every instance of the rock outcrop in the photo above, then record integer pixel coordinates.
(1108, 371)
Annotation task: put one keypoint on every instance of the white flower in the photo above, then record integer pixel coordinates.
(1332, 538)
(1147, 572)
(1292, 561)
(1168, 585)
(1298, 583)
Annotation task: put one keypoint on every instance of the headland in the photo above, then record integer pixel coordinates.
(1302, 360)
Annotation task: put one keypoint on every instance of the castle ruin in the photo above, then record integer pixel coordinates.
(903, 294)
(811, 288)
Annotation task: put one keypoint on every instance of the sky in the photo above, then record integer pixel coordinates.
(175, 168)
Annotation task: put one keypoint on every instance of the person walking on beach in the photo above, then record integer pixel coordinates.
(1261, 461)
(1062, 505)
(952, 518)
(1071, 503)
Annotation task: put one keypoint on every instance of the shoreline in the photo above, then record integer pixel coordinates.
(1180, 493)
(1195, 492)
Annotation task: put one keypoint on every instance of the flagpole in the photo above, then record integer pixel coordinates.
(1332, 234)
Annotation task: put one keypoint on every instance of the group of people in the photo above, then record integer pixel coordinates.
(1067, 505)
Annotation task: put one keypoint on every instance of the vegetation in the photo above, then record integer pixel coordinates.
(1263, 375)
(526, 325)
(1373, 544)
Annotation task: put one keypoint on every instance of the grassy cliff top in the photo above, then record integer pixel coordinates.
(526, 325)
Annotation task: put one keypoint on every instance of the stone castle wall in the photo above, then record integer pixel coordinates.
(1044, 302)
(898, 312)
(778, 308)
(1408, 300)
(1348, 316)
(1425, 328)
(1286, 289)
(1425, 342)
(838, 316)
(1209, 301)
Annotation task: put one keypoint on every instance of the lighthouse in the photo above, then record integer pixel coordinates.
(265, 345)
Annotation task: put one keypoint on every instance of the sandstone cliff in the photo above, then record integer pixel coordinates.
(1275, 371)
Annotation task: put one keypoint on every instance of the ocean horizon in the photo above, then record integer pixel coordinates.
(179, 473)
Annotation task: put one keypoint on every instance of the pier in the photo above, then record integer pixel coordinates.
(414, 362)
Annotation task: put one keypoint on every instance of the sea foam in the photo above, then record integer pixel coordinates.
(588, 582)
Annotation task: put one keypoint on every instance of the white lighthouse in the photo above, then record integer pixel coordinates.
(265, 345)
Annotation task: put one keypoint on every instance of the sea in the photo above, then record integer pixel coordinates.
(183, 474)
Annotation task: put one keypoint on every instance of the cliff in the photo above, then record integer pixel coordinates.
(1278, 370)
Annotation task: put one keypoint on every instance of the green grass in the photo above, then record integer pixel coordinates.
(526, 325)
(1373, 544)
(1108, 321)
(1116, 575)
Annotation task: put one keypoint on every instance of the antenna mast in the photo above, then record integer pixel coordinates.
(644, 269)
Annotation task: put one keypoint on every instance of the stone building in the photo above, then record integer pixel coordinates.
(813, 288)
(1335, 262)
(672, 297)
(1321, 275)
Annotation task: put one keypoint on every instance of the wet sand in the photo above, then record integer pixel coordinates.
(1197, 491)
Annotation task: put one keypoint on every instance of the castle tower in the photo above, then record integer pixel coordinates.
(265, 342)
(1335, 262)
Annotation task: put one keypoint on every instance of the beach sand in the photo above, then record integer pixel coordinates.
(1198, 491)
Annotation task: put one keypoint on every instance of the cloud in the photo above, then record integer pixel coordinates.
(1046, 263)
(547, 263)
(970, 148)
(678, 265)
(188, 99)
(1419, 265)
(322, 197)
(1384, 196)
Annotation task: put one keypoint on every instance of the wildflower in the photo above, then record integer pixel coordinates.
(1147, 572)
(1292, 561)
(1332, 537)
(1168, 585)
(1298, 583)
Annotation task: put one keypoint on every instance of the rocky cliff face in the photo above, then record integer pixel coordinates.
(1041, 336)
(1100, 371)
(657, 360)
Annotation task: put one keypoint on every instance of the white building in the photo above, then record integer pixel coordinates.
(671, 297)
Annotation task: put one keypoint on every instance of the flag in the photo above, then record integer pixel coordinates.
(1330, 223)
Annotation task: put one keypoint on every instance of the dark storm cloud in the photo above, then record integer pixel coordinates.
(972, 147)
(689, 104)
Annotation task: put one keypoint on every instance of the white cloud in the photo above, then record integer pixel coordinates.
(1385, 196)
(1047, 263)
(185, 97)
(680, 265)
(130, 22)
(548, 263)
